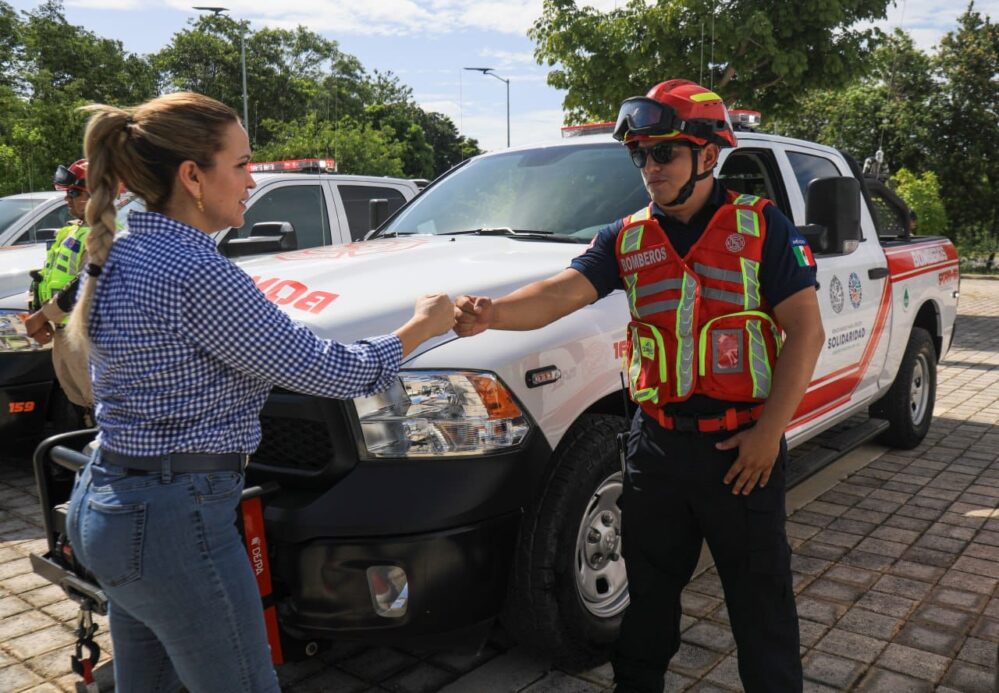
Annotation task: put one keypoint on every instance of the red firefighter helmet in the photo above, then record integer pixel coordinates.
(72, 177)
(672, 110)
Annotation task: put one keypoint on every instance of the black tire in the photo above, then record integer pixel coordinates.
(908, 405)
(545, 608)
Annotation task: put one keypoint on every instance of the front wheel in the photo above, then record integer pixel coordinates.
(568, 587)
(908, 405)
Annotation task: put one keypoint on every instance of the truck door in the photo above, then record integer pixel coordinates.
(355, 199)
(302, 203)
(853, 301)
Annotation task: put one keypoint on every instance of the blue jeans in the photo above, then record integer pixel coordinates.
(184, 606)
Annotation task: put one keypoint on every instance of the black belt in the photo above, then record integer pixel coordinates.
(179, 462)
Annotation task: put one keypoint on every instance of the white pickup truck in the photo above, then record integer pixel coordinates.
(485, 481)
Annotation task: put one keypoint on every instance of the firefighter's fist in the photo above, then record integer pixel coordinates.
(436, 312)
(473, 314)
(38, 328)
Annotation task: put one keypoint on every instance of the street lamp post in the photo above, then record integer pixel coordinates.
(242, 59)
(489, 71)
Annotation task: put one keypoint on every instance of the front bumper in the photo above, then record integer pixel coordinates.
(455, 582)
(450, 524)
(26, 380)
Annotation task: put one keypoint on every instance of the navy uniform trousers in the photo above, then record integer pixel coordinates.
(673, 498)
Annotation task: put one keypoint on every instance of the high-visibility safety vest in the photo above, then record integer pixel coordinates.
(698, 323)
(62, 263)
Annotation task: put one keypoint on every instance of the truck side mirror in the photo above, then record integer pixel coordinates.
(282, 230)
(46, 236)
(377, 212)
(835, 204)
(265, 237)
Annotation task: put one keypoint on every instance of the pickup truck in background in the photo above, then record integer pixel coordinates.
(296, 205)
(483, 484)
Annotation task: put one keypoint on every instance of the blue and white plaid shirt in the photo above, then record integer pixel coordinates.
(185, 348)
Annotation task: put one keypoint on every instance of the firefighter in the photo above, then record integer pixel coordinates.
(65, 258)
(724, 335)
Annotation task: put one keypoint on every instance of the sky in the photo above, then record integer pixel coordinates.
(428, 42)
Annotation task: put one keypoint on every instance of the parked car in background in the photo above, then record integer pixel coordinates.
(30, 218)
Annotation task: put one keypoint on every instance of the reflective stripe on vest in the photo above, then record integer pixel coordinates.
(685, 336)
(631, 240)
(750, 283)
(657, 307)
(747, 200)
(747, 222)
(722, 295)
(759, 365)
(658, 287)
(643, 347)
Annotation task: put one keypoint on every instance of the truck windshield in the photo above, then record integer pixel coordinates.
(13, 208)
(561, 190)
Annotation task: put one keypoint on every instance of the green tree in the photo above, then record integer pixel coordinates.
(358, 147)
(289, 73)
(967, 111)
(448, 146)
(55, 68)
(762, 55)
(888, 109)
(10, 45)
(60, 58)
(404, 119)
(922, 194)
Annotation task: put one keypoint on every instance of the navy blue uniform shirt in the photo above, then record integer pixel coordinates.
(780, 274)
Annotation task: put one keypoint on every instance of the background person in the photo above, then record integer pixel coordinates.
(711, 278)
(184, 350)
(65, 258)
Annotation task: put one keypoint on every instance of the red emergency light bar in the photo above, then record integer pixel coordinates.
(588, 129)
(744, 119)
(294, 166)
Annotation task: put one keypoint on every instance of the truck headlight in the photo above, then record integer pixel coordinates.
(440, 413)
(14, 336)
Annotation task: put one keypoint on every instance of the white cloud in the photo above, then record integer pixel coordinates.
(927, 20)
(489, 127)
(105, 4)
(508, 58)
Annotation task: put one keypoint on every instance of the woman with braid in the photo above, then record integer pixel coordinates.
(184, 350)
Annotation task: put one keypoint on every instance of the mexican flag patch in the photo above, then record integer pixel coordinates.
(803, 254)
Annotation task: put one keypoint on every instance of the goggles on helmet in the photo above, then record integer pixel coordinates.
(64, 178)
(641, 115)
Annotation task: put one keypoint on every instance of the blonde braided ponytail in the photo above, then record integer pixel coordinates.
(140, 148)
(103, 142)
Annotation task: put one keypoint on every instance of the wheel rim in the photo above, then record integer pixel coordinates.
(601, 580)
(919, 390)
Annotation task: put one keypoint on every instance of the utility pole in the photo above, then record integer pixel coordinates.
(489, 71)
(242, 58)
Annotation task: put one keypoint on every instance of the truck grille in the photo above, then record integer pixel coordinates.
(297, 445)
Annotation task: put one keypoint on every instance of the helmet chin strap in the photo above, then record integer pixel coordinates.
(688, 188)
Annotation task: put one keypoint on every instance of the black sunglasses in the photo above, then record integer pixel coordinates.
(662, 153)
(73, 193)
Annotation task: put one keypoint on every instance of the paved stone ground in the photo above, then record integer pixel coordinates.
(896, 570)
